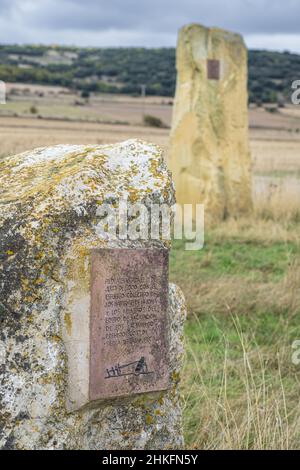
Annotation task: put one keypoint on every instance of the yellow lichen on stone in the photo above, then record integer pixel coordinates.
(149, 419)
(68, 322)
(50, 224)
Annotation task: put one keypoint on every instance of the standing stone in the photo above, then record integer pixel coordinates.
(48, 235)
(209, 152)
(2, 92)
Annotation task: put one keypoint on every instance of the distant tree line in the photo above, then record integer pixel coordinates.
(124, 70)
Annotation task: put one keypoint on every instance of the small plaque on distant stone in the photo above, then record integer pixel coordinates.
(213, 69)
(128, 323)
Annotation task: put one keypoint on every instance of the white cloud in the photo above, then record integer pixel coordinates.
(276, 42)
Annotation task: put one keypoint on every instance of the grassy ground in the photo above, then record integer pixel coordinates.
(240, 387)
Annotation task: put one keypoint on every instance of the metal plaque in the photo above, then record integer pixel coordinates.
(213, 69)
(128, 322)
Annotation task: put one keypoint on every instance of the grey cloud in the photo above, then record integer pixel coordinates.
(246, 16)
(6, 7)
(141, 22)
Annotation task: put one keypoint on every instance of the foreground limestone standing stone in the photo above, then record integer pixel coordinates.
(49, 199)
(209, 152)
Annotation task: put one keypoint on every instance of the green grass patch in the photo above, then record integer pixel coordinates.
(240, 387)
(250, 259)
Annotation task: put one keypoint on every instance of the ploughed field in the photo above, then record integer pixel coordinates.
(37, 116)
(240, 385)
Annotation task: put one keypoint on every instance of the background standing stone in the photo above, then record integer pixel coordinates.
(48, 226)
(209, 152)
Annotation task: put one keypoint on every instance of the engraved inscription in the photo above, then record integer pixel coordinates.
(128, 325)
(213, 69)
(133, 368)
(131, 308)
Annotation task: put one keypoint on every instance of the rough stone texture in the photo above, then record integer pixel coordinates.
(209, 153)
(48, 225)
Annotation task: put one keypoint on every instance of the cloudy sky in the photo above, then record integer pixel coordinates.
(271, 24)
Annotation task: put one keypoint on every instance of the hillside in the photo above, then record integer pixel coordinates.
(123, 70)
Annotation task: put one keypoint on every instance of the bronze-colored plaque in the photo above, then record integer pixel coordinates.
(213, 69)
(128, 322)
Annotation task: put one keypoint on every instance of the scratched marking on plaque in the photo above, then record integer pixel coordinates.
(132, 368)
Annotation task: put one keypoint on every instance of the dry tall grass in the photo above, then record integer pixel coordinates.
(281, 202)
(247, 400)
(240, 387)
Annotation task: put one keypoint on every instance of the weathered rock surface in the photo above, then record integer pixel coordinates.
(209, 152)
(49, 198)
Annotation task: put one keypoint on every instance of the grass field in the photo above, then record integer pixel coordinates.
(240, 387)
